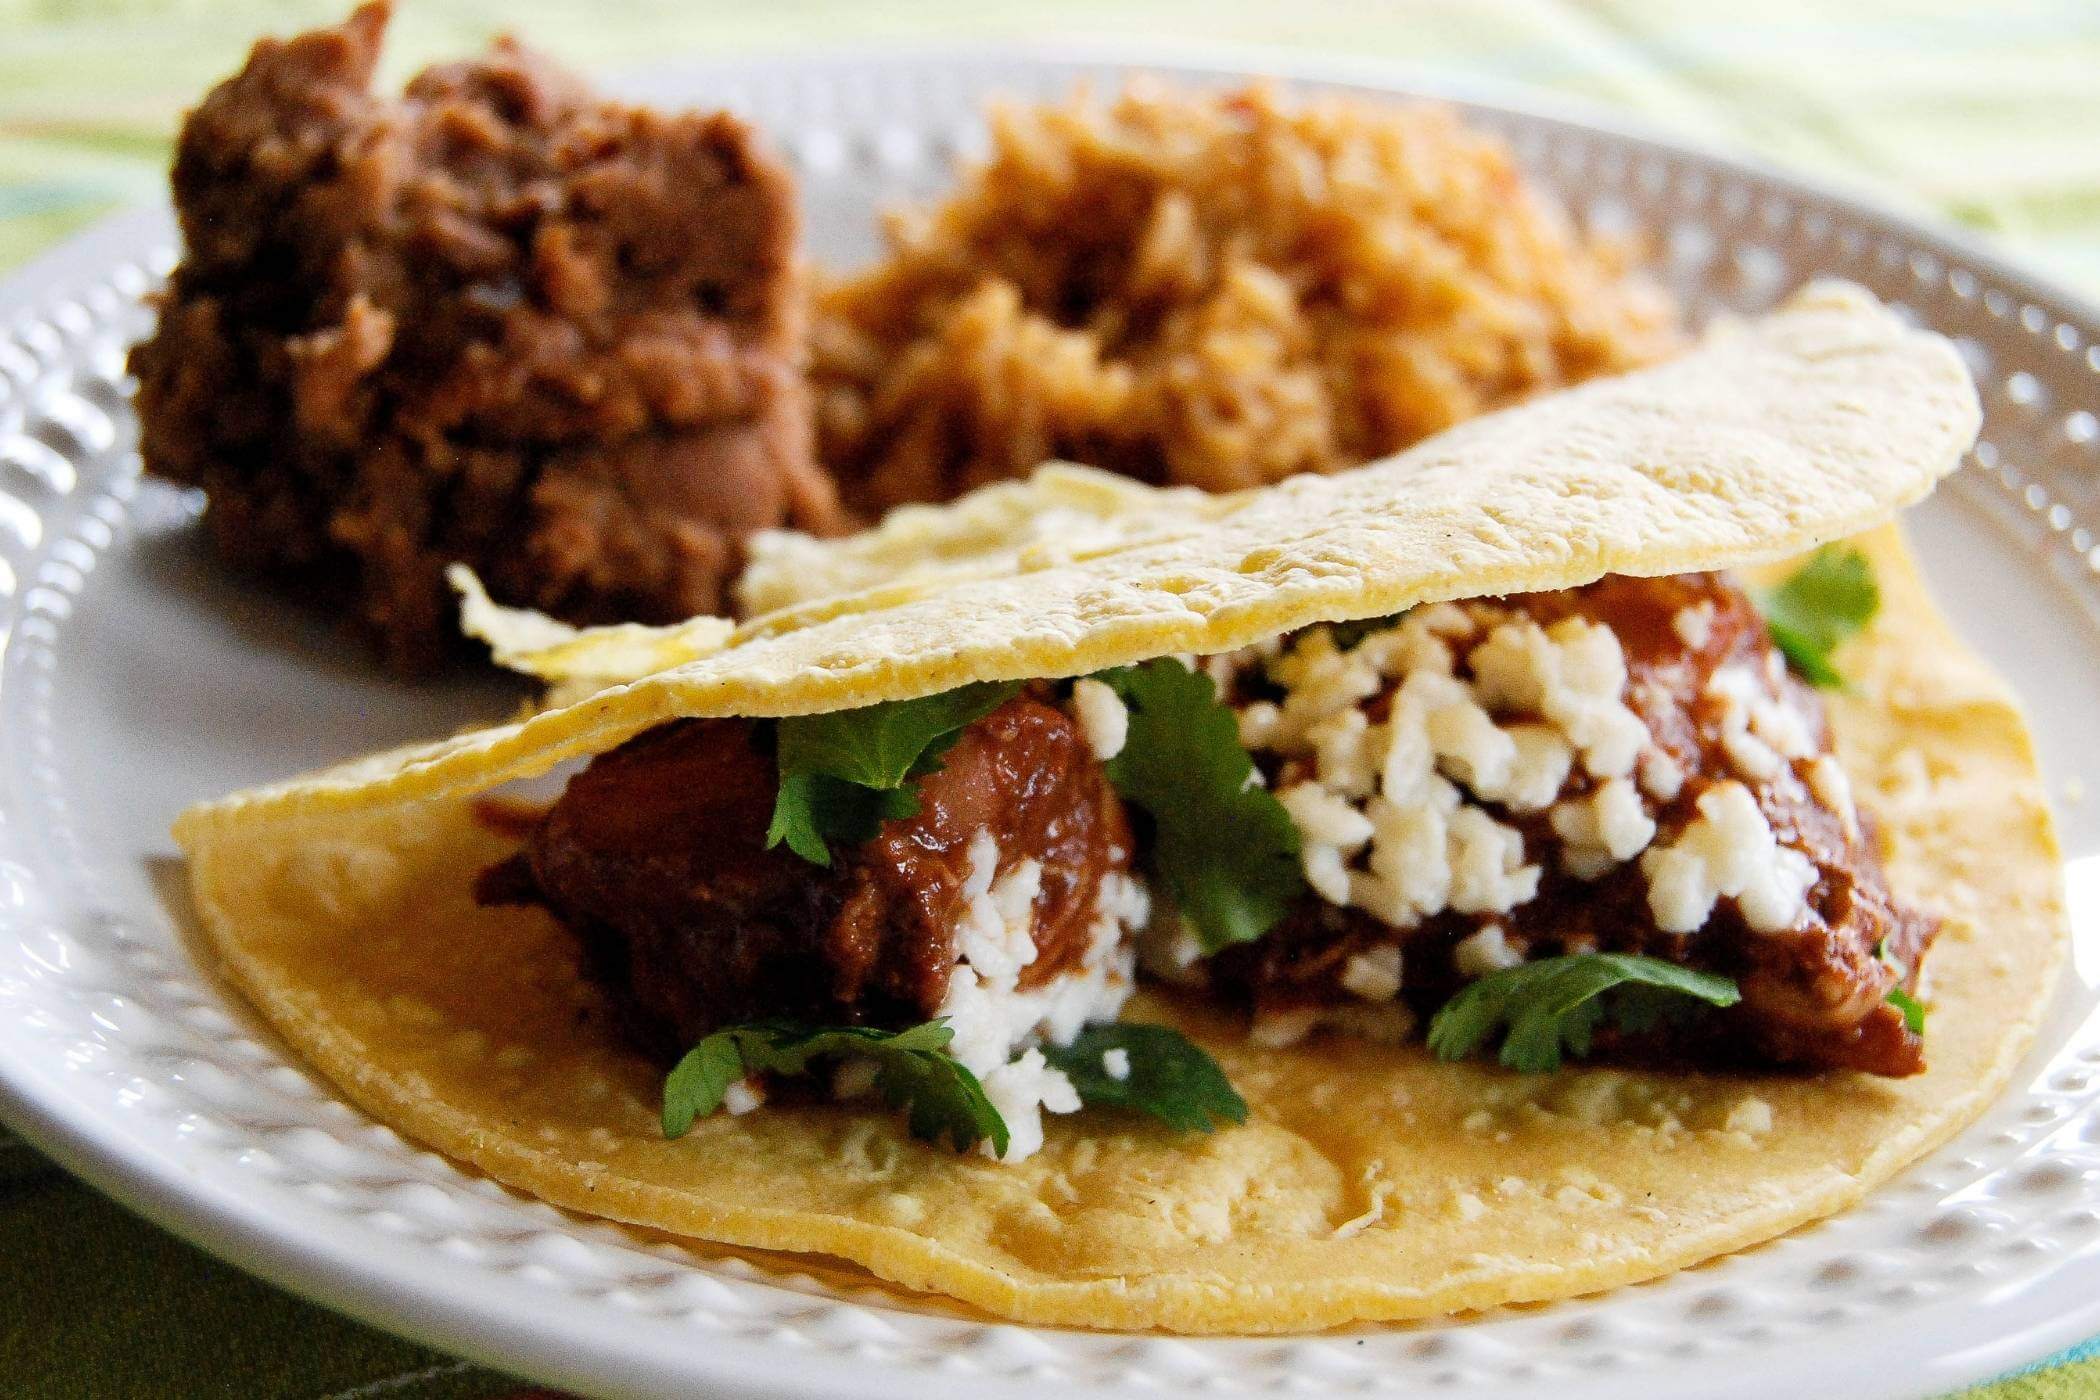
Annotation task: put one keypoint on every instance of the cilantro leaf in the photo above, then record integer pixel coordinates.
(842, 774)
(1913, 1010)
(1170, 1077)
(1825, 601)
(696, 1084)
(1225, 849)
(878, 746)
(914, 1072)
(812, 809)
(1553, 1006)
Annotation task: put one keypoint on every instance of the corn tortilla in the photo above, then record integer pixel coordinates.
(1772, 437)
(1370, 1182)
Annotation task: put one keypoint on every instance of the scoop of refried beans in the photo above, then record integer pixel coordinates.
(496, 320)
(655, 857)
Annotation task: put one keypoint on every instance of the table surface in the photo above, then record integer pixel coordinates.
(1983, 114)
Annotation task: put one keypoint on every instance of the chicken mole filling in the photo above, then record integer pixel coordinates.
(655, 854)
(655, 857)
(1815, 945)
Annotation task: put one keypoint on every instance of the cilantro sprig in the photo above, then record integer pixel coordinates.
(942, 1099)
(844, 774)
(1913, 1010)
(1170, 1077)
(1553, 1006)
(1223, 846)
(1822, 603)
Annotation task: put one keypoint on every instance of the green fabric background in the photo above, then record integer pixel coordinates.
(1988, 114)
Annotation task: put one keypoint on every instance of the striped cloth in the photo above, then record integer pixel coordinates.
(1980, 113)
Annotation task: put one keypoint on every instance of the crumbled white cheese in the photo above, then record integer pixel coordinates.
(1727, 850)
(1575, 676)
(1326, 871)
(989, 1013)
(1452, 620)
(1013, 896)
(1759, 731)
(1411, 646)
(1484, 951)
(1102, 716)
(1410, 875)
(1661, 776)
(996, 932)
(1115, 1063)
(743, 1096)
(1782, 725)
(1022, 1090)
(1373, 975)
(1488, 874)
(1694, 623)
(1602, 830)
(1752, 1116)
(1513, 666)
(1749, 755)
(1537, 703)
(1469, 746)
(1539, 771)
(1828, 781)
(1408, 768)
(1343, 747)
(1485, 707)
(1587, 702)
(1259, 721)
(1318, 679)
(992, 1017)
(1324, 817)
(1329, 827)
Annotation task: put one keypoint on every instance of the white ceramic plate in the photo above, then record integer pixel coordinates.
(136, 679)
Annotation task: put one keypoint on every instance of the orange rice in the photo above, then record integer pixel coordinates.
(1213, 289)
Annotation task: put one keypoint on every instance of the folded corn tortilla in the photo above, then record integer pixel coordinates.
(1370, 1181)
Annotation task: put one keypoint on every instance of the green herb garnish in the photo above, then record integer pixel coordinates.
(1825, 601)
(1913, 1010)
(1223, 846)
(914, 1072)
(1552, 1007)
(1170, 1077)
(843, 774)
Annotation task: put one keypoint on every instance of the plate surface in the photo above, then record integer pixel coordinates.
(135, 678)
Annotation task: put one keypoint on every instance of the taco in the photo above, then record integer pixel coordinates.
(1427, 887)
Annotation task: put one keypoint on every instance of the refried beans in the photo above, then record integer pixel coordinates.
(496, 320)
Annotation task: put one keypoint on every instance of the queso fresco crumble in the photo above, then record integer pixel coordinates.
(1624, 767)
